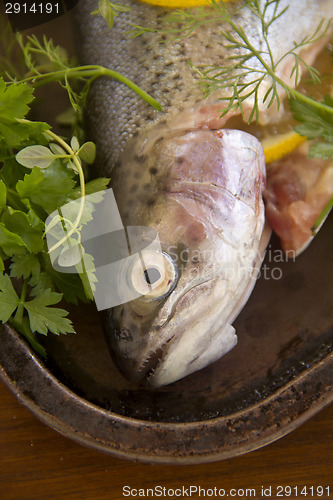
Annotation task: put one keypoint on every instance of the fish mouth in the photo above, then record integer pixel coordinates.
(156, 358)
(183, 350)
(130, 345)
(152, 363)
(183, 358)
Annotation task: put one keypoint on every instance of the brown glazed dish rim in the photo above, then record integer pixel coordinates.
(160, 442)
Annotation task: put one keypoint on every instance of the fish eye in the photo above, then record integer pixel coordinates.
(153, 275)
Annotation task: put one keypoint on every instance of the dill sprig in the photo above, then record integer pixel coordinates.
(241, 80)
(182, 23)
(47, 63)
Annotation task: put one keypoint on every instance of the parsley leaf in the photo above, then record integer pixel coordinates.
(68, 284)
(10, 242)
(11, 172)
(40, 282)
(42, 317)
(316, 125)
(24, 328)
(14, 101)
(92, 187)
(21, 224)
(9, 300)
(50, 188)
(3, 194)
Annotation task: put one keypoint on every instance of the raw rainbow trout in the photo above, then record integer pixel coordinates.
(182, 173)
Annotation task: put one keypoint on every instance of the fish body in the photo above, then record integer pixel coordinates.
(159, 64)
(196, 183)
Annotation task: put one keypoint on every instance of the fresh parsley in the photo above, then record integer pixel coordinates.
(39, 172)
(34, 181)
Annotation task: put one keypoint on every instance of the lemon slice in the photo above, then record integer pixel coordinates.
(178, 4)
(278, 146)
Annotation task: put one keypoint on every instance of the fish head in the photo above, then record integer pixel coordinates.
(201, 192)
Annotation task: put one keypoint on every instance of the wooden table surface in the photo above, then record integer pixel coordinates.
(38, 463)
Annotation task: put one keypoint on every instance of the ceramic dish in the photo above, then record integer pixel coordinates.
(279, 375)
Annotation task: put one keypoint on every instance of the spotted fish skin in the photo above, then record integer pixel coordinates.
(115, 113)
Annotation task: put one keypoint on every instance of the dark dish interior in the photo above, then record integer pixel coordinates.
(286, 327)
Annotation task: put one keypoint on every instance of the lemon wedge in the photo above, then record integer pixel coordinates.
(178, 4)
(278, 146)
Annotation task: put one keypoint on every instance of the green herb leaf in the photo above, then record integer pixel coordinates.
(11, 172)
(49, 188)
(321, 150)
(20, 223)
(75, 144)
(37, 181)
(41, 282)
(240, 80)
(61, 70)
(24, 328)
(92, 187)
(35, 156)
(24, 266)
(10, 242)
(14, 99)
(69, 285)
(3, 194)
(86, 268)
(316, 124)
(9, 300)
(12, 133)
(42, 317)
(56, 149)
(87, 152)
